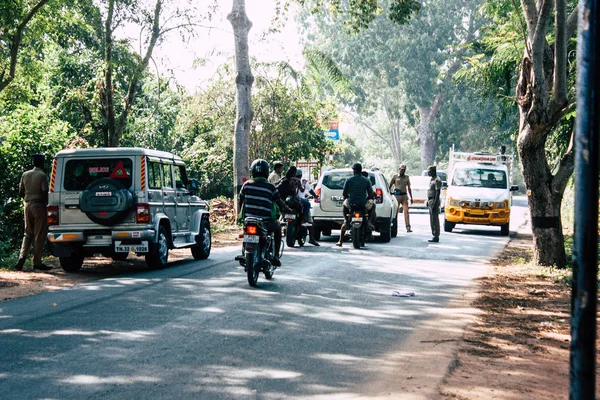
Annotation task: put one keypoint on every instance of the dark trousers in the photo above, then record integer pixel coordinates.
(35, 231)
(434, 218)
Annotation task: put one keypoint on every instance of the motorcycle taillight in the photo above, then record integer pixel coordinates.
(357, 215)
(318, 193)
(379, 196)
(252, 229)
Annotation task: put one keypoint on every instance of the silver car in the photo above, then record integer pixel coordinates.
(327, 207)
(114, 201)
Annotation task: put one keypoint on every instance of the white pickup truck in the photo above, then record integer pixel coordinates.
(479, 190)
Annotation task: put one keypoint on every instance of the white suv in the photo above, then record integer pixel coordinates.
(327, 207)
(119, 200)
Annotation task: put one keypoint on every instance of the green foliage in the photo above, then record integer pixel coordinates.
(25, 131)
(358, 15)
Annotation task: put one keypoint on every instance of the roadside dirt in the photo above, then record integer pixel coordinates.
(517, 348)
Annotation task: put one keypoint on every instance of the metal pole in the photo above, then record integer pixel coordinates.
(585, 250)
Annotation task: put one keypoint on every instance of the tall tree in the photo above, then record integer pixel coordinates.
(531, 47)
(417, 60)
(544, 99)
(243, 79)
(14, 18)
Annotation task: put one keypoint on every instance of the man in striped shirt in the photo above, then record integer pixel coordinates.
(258, 195)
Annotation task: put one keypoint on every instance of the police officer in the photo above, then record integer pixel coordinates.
(34, 190)
(402, 189)
(433, 202)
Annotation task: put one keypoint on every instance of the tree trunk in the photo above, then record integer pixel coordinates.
(544, 190)
(241, 26)
(426, 139)
(544, 202)
(108, 86)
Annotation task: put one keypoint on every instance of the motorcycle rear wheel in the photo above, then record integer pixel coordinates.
(251, 270)
(290, 235)
(356, 237)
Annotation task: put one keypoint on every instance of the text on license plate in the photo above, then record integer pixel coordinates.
(356, 219)
(251, 238)
(290, 216)
(136, 248)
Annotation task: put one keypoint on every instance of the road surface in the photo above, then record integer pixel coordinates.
(326, 327)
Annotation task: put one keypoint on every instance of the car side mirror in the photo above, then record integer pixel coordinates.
(193, 187)
(514, 188)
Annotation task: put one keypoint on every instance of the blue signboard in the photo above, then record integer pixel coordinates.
(333, 134)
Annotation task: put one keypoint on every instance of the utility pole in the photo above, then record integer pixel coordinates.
(585, 251)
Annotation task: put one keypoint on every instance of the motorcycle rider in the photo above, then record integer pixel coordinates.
(371, 209)
(258, 197)
(290, 186)
(357, 190)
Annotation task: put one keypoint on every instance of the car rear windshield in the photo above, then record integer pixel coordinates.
(80, 173)
(480, 177)
(336, 180)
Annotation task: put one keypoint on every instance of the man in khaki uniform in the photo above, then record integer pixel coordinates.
(401, 186)
(433, 202)
(34, 190)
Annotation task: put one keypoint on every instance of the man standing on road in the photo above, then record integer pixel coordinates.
(401, 185)
(357, 190)
(34, 190)
(433, 202)
(276, 174)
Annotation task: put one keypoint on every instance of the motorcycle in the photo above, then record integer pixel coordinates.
(257, 250)
(294, 231)
(358, 218)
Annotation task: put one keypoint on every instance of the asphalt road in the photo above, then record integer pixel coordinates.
(326, 327)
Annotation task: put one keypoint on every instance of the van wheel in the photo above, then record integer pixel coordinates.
(448, 226)
(159, 258)
(504, 230)
(202, 251)
(71, 264)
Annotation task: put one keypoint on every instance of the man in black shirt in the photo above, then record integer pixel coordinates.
(357, 190)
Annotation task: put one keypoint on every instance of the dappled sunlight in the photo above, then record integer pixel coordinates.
(101, 334)
(110, 380)
(108, 283)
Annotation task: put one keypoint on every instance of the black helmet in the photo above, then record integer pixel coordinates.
(260, 168)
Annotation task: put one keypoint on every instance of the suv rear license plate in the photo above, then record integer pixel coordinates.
(290, 216)
(136, 248)
(251, 238)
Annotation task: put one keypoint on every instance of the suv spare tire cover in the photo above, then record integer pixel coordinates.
(105, 201)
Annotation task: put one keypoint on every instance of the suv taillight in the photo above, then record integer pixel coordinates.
(52, 215)
(142, 213)
(318, 198)
(379, 196)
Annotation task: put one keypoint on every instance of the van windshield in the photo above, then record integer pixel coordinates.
(80, 173)
(336, 180)
(480, 177)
